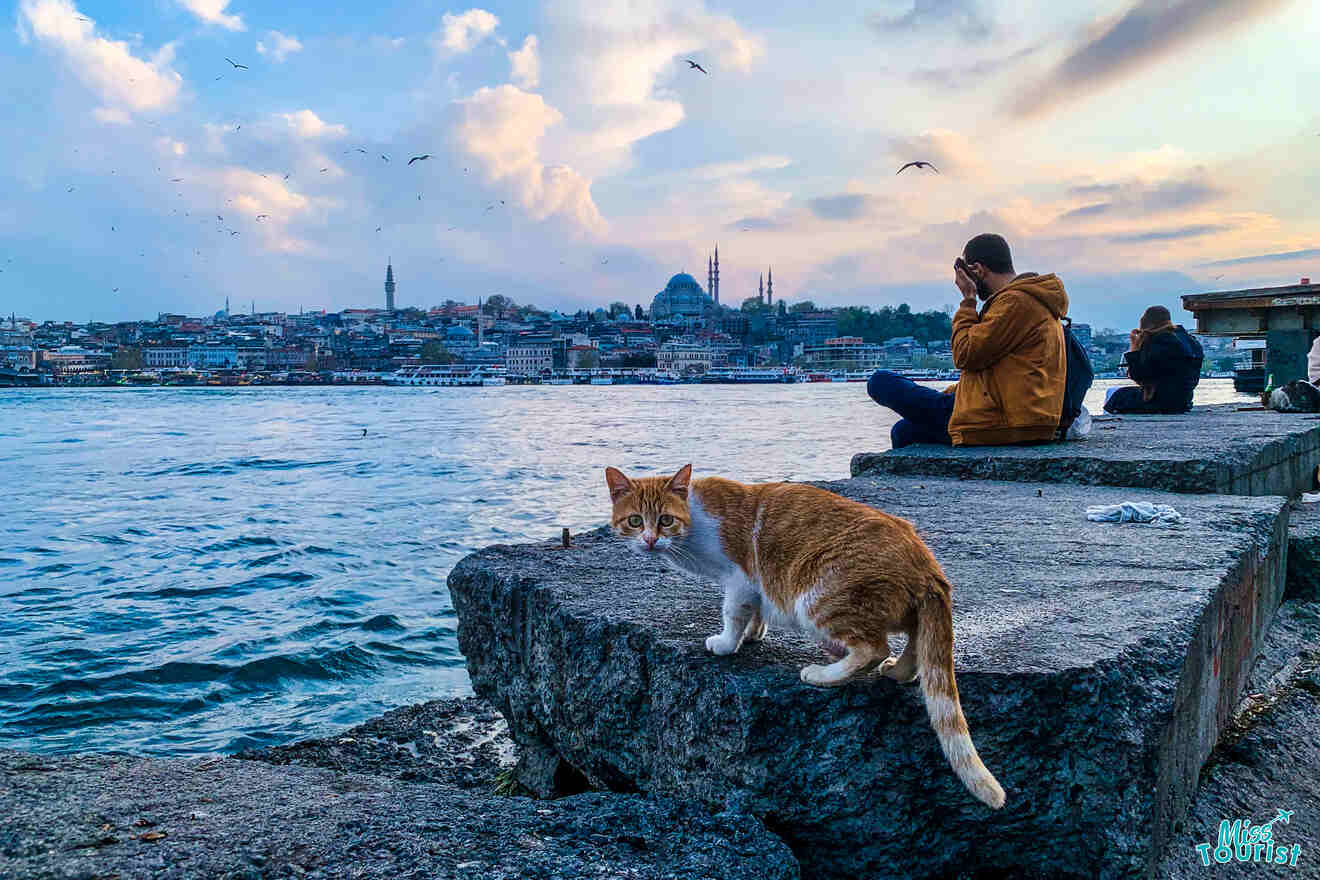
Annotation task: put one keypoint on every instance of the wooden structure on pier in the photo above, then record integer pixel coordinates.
(1287, 317)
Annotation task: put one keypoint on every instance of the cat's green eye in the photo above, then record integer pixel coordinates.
(635, 521)
(666, 520)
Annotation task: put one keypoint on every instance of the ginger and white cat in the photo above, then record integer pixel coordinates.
(796, 557)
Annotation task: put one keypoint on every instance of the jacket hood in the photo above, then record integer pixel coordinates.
(1046, 289)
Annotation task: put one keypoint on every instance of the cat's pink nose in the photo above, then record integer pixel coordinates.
(650, 540)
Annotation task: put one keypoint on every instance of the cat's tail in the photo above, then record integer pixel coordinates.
(935, 665)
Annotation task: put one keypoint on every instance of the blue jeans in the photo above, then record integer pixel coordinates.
(925, 412)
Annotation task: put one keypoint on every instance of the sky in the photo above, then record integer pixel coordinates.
(1140, 150)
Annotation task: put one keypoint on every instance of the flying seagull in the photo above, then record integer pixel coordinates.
(918, 165)
(236, 64)
(421, 158)
(324, 170)
(378, 229)
(360, 150)
(263, 216)
(386, 158)
(175, 179)
(114, 290)
(221, 219)
(286, 177)
(220, 77)
(234, 232)
(70, 189)
(1217, 277)
(692, 65)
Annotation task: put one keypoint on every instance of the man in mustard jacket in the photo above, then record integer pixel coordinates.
(1011, 353)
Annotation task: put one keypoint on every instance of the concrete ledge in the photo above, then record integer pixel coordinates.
(104, 816)
(1217, 449)
(1304, 552)
(1098, 664)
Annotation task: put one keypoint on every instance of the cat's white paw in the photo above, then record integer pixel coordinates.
(756, 632)
(817, 675)
(720, 646)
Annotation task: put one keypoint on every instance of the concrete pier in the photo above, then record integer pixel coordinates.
(1223, 449)
(1098, 665)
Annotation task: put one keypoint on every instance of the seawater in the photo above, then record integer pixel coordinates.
(189, 570)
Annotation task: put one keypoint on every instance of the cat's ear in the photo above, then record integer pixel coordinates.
(618, 483)
(678, 483)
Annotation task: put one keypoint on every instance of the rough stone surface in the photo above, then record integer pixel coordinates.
(463, 742)
(1304, 552)
(1097, 665)
(1268, 759)
(103, 816)
(1211, 449)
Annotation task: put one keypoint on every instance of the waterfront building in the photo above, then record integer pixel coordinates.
(683, 357)
(529, 355)
(164, 357)
(212, 357)
(844, 353)
(72, 359)
(1082, 333)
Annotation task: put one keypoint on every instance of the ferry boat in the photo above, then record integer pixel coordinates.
(752, 375)
(448, 376)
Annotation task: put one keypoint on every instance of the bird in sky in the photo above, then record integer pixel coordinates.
(236, 64)
(286, 177)
(419, 197)
(692, 65)
(386, 158)
(604, 261)
(175, 179)
(262, 216)
(221, 219)
(360, 150)
(114, 290)
(324, 170)
(918, 165)
(378, 229)
(234, 232)
(70, 189)
(1217, 277)
(421, 158)
(237, 127)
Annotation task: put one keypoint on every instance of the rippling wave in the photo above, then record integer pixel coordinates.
(190, 570)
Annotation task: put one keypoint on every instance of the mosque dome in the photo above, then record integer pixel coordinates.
(682, 296)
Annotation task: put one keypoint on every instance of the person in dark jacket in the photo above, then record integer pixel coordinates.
(1165, 362)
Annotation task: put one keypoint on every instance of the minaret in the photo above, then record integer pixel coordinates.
(770, 287)
(480, 323)
(226, 307)
(389, 286)
(717, 275)
(710, 277)
(760, 288)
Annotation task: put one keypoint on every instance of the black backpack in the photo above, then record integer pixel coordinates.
(1078, 381)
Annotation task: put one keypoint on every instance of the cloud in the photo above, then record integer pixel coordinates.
(964, 76)
(1268, 258)
(1139, 198)
(213, 12)
(502, 129)
(526, 64)
(1146, 33)
(124, 81)
(754, 223)
(850, 206)
(280, 47)
(1180, 232)
(307, 124)
(740, 167)
(950, 151)
(112, 116)
(963, 16)
(462, 33)
(1087, 211)
(623, 75)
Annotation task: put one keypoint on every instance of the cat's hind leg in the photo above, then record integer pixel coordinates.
(756, 628)
(902, 668)
(860, 659)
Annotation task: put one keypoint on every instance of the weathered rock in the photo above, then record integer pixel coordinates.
(1211, 449)
(1268, 759)
(1304, 552)
(102, 816)
(463, 742)
(1097, 665)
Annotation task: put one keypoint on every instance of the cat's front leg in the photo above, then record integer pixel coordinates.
(740, 604)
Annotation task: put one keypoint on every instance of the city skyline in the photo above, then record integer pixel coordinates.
(571, 171)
